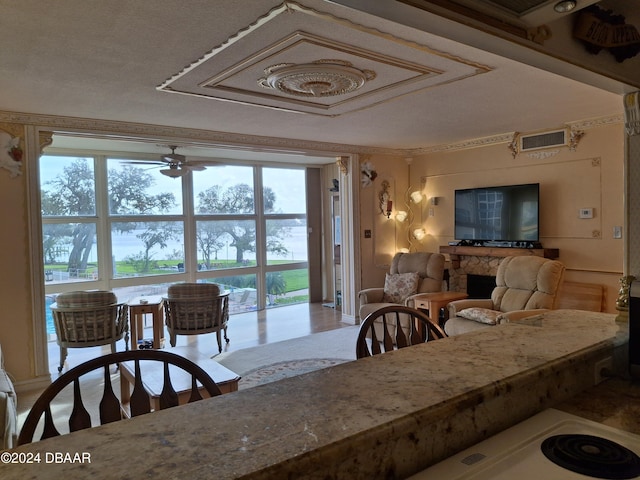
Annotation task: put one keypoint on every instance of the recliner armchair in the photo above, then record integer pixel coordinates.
(429, 268)
(525, 286)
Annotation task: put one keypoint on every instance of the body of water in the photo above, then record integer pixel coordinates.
(127, 244)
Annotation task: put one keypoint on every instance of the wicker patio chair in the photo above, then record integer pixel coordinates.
(195, 308)
(110, 407)
(89, 319)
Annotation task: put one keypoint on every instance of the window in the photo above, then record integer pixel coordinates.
(117, 223)
(69, 232)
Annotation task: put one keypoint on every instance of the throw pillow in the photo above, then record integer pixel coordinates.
(482, 315)
(398, 286)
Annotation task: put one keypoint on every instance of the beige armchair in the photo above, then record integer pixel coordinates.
(525, 286)
(410, 274)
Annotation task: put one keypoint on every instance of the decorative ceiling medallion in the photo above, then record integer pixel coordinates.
(267, 64)
(322, 78)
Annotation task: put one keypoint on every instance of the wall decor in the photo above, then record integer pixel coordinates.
(10, 153)
(600, 29)
(632, 113)
(384, 199)
(367, 174)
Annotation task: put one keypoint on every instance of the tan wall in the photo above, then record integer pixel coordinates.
(387, 235)
(15, 295)
(590, 177)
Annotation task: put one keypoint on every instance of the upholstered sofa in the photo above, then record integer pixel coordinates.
(8, 405)
(525, 286)
(409, 274)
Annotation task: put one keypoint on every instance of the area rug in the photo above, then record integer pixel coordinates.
(285, 369)
(288, 358)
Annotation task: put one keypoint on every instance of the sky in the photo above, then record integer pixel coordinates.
(287, 183)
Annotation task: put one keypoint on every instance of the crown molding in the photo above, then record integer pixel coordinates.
(508, 137)
(596, 122)
(465, 144)
(132, 131)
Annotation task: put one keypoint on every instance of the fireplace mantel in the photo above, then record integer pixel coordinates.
(498, 251)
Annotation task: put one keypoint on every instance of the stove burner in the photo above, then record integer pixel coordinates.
(592, 456)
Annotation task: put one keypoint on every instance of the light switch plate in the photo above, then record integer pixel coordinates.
(617, 232)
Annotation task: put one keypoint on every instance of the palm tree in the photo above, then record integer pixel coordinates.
(276, 285)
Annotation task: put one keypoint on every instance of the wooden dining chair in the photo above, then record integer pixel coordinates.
(394, 327)
(110, 407)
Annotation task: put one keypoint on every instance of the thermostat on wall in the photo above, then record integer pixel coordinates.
(586, 213)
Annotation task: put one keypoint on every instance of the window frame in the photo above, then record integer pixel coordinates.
(104, 221)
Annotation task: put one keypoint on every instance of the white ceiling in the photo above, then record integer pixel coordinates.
(195, 64)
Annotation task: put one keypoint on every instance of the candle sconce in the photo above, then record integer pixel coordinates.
(384, 197)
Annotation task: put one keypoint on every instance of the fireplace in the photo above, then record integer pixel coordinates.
(474, 262)
(479, 270)
(480, 286)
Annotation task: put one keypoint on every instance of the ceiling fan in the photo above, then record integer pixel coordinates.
(177, 165)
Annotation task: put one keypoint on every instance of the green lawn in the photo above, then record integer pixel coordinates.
(294, 279)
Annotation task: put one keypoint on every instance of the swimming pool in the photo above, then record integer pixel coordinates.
(49, 316)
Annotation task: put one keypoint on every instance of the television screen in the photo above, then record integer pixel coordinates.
(508, 213)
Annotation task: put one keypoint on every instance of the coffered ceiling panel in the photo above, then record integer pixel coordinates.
(332, 67)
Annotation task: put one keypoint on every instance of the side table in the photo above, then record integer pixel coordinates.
(140, 306)
(433, 302)
(153, 378)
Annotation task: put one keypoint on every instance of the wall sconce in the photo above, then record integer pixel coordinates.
(401, 215)
(416, 196)
(386, 205)
(434, 200)
(419, 233)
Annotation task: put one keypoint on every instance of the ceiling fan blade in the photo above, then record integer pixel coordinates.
(142, 162)
(193, 166)
(173, 158)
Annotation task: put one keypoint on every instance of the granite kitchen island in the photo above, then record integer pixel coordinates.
(387, 416)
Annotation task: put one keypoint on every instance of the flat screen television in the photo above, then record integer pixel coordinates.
(507, 213)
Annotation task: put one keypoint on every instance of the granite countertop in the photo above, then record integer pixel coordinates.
(387, 416)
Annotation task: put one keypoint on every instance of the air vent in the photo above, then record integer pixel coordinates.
(557, 138)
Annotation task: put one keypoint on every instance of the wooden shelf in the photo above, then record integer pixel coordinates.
(498, 251)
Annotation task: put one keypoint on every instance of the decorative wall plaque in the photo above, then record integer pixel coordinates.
(10, 153)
